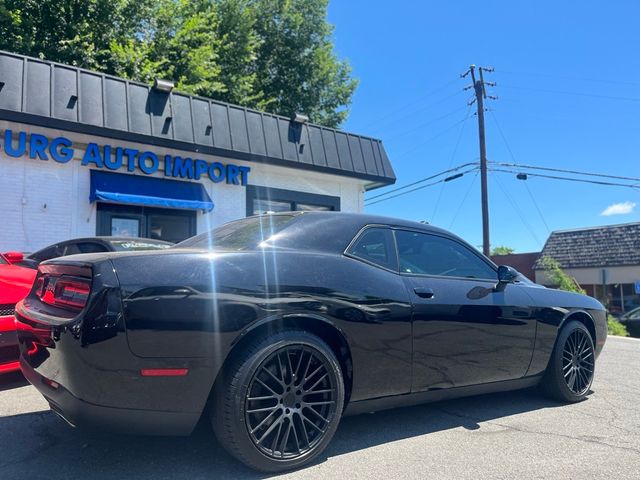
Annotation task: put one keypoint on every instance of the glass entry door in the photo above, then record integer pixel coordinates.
(157, 223)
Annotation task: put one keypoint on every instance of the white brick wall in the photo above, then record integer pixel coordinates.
(42, 202)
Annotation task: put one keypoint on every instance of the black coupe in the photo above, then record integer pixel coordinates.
(276, 326)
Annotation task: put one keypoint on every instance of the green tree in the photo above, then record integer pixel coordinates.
(275, 55)
(559, 278)
(297, 70)
(501, 250)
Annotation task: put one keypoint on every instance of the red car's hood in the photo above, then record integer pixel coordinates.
(15, 283)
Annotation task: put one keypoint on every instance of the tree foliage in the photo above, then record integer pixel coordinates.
(501, 250)
(558, 277)
(275, 55)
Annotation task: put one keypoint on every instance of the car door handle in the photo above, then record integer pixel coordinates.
(423, 292)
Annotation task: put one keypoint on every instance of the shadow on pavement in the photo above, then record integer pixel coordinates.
(12, 380)
(40, 445)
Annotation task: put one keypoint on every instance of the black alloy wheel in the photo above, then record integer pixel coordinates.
(578, 362)
(569, 375)
(290, 402)
(278, 402)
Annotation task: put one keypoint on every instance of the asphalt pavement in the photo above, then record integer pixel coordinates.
(509, 435)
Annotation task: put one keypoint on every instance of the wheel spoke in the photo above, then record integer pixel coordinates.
(258, 410)
(263, 422)
(304, 430)
(266, 386)
(314, 411)
(312, 375)
(310, 390)
(275, 424)
(273, 376)
(570, 371)
(285, 439)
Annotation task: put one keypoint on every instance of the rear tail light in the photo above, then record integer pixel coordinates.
(64, 291)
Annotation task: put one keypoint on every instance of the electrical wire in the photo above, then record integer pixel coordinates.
(555, 177)
(566, 77)
(421, 125)
(453, 154)
(420, 144)
(464, 199)
(563, 170)
(504, 139)
(367, 204)
(566, 92)
(518, 212)
(425, 179)
(383, 119)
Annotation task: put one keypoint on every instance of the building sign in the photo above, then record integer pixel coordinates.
(61, 150)
(637, 287)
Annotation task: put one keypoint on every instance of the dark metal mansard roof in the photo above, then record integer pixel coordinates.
(614, 245)
(59, 96)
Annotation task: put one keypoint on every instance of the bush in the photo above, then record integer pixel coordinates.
(614, 327)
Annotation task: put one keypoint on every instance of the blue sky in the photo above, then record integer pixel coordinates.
(568, 82)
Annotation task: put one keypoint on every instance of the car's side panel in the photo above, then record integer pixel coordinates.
(467, 333)
(552, 308)
(170, 307)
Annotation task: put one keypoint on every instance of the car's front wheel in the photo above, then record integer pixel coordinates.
(569, 374)
(279, 401)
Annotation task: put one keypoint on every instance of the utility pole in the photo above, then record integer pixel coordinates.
(478, 84)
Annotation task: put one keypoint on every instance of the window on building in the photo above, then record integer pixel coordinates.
(375, 245)
(136, 221)
(261, 200)
(426, 254)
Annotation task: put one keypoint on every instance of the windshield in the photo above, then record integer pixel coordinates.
(134, 245)
(242, 234)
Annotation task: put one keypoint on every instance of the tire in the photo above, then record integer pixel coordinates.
(279, 401)
(569, 375)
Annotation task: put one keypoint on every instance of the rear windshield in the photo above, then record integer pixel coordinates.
(244, 234)
(133, 245)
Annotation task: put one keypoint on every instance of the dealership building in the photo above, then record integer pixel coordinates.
(85, 154)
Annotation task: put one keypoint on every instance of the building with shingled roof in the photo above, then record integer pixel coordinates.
(605, 261)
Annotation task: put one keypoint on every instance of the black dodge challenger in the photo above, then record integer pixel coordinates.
(276, 326)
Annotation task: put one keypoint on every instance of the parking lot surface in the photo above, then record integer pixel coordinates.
(507, 435)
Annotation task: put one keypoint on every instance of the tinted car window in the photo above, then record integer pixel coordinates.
(242, 234)
(46, 253)
(427, 254)
(376, 246)
(3, 261)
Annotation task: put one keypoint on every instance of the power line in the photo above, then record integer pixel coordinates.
(383, 119)
(464, 199)
(567, 77)
(566, 92)
(504, 139)
(581, 180)
(425, 179)
(437, 135)
(421, 125)
(562, 170)
(518, 212)
(367, 203)
(453, 154)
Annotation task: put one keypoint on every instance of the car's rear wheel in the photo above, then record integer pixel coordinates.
(570, 371)
(279, 402)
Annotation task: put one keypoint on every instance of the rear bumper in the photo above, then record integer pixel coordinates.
(79, 413)
(9, 352)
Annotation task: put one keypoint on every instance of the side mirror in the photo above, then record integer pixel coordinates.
(506, 275)
(14, 257)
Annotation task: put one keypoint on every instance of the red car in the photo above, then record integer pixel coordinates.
(15, 283)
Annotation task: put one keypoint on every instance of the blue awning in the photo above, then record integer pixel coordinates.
(155, 192)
